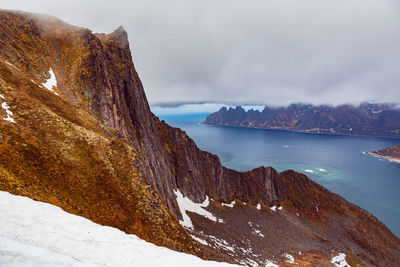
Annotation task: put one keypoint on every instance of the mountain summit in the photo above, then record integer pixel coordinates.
(77, 132)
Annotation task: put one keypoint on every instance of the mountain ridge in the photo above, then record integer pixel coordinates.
(92, 146)
(364, 119)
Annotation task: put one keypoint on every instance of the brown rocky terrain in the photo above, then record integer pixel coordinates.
(92, 147)
(390, 153)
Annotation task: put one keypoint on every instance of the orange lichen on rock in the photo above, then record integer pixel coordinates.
(58, 151)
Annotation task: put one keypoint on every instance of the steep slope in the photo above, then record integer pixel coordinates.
(365, 119)
(390, 153)
(91, 146)
(58, 151)
(262, 214)
(57, 238)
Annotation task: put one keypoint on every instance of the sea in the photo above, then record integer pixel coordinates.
(335, 161)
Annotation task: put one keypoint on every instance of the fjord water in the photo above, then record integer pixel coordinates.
(334, 161)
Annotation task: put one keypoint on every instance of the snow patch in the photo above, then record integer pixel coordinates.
(251, 262)
(221, 243)
(201, 241)
(248, 251)
(52, 82)
(231, 205)
(248, 262)
(255, 230)
(34, 233)
(258, 232)
(270, 264)
(8, 111)
(340, 260)
(8, 63)
(274, 208)
(185, 204)
(6, 107)
(289, 258)
(258, 206)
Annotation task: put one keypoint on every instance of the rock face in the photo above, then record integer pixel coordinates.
(365, 119)
(199, 174)
(91, 146)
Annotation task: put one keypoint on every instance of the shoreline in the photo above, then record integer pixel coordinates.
(386, 157)
(300, 131)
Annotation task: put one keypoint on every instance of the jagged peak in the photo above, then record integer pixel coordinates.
(120, 35)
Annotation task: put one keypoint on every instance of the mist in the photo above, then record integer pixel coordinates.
(251, 52)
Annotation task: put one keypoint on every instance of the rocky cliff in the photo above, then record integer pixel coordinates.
(77, 132)
(79, 144)
(365, 119)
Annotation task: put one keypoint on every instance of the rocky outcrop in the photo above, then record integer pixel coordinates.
(390, 153)
(199, 174)
(365, 119)
(91, 146)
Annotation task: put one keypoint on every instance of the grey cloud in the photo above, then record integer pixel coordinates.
(260, 52)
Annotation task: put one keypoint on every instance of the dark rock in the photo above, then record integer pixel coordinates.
(364, 119)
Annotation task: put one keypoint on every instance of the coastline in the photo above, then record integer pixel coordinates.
(300, 131)
(386, 157)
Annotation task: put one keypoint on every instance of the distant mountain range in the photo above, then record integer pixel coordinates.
(364, 119)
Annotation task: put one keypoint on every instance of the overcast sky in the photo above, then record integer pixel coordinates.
(251, 52)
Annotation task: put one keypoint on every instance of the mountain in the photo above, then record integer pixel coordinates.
(364, 119)
(390, 153)
(77, 132)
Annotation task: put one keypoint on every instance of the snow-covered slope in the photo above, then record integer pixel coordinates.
(34, 233)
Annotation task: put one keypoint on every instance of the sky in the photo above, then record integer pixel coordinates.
(273, 52)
